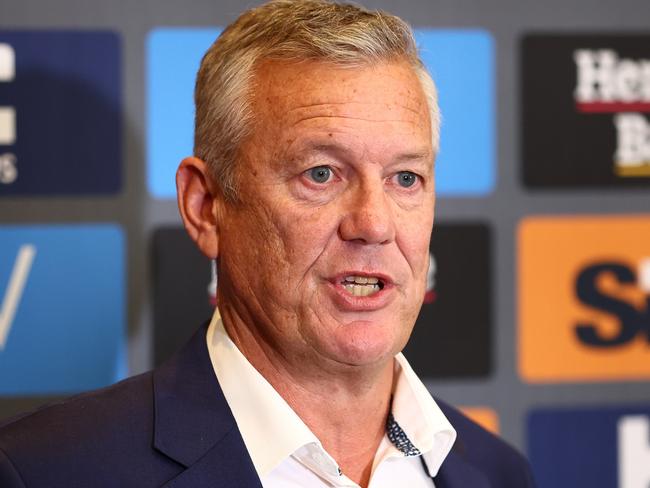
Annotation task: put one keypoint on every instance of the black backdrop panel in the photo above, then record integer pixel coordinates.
(181, 302)
(452, 336)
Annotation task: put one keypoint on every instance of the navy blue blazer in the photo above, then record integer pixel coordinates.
(172, 428)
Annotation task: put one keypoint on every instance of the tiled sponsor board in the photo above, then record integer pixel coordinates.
(585, 110)
(60, 113)
(584, 298)
(62, 321)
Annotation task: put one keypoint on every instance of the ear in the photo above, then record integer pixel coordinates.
(198, 203)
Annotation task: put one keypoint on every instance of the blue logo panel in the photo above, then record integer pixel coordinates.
(62, 317)
(461, 63)
(60, 112)
(173, 59)
(598, 448)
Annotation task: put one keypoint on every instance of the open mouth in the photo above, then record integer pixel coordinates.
(362, 286)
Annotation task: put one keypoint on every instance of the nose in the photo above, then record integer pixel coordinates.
(368, 215)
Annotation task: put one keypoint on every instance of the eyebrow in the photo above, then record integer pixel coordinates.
(415, 156)
(338, 148)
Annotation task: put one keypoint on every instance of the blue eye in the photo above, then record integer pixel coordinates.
(320, 174)
(406, 178)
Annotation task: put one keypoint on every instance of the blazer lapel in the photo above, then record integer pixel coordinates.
(227, 464)
(194, 425)
(455, 472)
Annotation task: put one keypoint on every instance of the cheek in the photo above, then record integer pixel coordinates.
(253, 251)
(414, 240)
(274, 249)
(305, 233)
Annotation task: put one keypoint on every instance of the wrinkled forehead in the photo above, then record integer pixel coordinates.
(287, 91)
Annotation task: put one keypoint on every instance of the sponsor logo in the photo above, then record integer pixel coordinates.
(633, 451)
(60, 111)
(14, 290)
(461, 62)
(606, 83)
(451, 339)
(599, 448)
(212, 286)
(599, 102)
(62, 324)
(8, 172)
(584, 304)
(632, 157)
(430, 294)
(596, 287)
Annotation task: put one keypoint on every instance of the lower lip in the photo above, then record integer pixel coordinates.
(346, 301)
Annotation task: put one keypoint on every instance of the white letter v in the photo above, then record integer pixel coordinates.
(15, 288)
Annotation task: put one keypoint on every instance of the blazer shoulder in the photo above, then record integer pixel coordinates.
(107, 429)
(103, 409)
(9, 477)
(503, 465)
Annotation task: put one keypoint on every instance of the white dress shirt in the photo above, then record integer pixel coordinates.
(287, 454)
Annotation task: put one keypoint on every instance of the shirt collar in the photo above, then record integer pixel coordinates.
(417, 413)
(264, 418)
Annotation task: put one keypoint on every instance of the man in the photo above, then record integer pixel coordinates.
(312, 185)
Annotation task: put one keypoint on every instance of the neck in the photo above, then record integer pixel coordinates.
(349, 421)
(345, 406)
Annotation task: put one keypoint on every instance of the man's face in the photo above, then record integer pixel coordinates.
(326, 254)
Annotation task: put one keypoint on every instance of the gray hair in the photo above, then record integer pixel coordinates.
(291, 30)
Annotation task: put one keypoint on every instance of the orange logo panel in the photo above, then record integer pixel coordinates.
(584, 298)
(484, 416)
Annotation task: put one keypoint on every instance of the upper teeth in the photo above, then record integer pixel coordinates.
(361, 280)
(361, 286)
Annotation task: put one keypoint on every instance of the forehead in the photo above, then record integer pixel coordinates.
(296, 92)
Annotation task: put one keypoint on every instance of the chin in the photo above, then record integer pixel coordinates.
(363, 343)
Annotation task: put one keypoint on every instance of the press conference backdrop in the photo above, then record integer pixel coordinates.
(537, 314)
